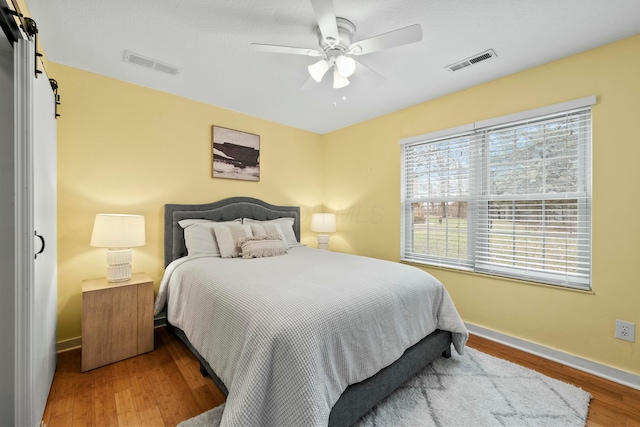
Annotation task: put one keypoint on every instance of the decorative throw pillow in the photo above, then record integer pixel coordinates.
(199, 237)
(227, 236)
(259, 229)
(262, 246)
(286, 224)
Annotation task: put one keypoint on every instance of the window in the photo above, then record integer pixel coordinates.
(508, 196)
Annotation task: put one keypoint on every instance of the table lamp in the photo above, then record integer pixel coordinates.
(118, 233)
(323, 223)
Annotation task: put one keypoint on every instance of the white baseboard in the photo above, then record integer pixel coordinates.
(160, 320)
(597, 369)
(75, 343)
(68, 345)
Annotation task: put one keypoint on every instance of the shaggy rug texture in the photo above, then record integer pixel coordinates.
(470, 390)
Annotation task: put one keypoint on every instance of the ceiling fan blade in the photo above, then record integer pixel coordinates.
(272, 48)
(326, 17)
(402, 36)
(368, 75)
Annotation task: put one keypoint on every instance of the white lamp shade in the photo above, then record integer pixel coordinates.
(346, 66)
(319, 69)
(118, 231)
(323, 222)
(339, 81)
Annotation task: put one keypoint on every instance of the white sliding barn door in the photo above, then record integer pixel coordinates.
(36, 275)
(45, 225)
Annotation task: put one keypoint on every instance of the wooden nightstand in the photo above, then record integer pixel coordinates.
(117, 320)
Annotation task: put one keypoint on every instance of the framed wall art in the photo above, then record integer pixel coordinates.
(236, 154)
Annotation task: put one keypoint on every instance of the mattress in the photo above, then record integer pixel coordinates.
(287, 334)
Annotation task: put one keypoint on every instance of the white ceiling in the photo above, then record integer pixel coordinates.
(210, 40)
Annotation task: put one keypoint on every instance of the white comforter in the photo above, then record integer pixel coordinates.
(288, 334)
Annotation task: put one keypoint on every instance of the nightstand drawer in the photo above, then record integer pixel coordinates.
(117, 320)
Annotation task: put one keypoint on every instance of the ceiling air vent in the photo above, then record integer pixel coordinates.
(472, 60)
(143, 61)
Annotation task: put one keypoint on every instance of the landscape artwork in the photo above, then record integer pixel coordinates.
(236, 154)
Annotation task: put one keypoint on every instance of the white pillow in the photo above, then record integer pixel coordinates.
(262, 246)
(263, 229)
(199, 237)
(228, 235)
(286, 224)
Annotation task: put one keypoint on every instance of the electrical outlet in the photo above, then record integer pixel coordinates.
(625, 330)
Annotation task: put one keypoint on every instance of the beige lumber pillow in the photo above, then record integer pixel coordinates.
(262, 246)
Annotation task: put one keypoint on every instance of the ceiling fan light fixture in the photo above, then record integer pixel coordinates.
(339, 81)
(345, 65)
(319, 69)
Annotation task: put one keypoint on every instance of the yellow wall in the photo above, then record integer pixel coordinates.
(123, 148)
(362, 183)
(356, 172)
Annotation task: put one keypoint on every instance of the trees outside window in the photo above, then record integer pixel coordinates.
(511, 199)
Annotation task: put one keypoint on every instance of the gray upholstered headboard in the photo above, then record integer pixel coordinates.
(223, 210)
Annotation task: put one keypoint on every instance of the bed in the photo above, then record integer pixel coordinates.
(319, 389)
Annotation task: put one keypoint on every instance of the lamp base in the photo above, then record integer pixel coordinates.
(323, 242)
(118, 265)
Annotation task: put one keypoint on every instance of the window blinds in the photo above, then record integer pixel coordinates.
(510, 199)
(436, 189)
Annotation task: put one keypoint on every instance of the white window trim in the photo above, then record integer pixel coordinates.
(477, 127)
(507, 119)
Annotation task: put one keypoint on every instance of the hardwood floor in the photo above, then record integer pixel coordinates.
(164, 387)
(160, 388)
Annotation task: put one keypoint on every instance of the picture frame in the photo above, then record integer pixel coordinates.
(235, 154)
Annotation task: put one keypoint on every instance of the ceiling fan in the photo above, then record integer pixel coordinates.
(337, 48)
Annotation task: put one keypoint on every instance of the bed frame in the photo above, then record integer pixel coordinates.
(358, 398)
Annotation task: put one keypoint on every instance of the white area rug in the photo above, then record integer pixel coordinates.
(470, 390)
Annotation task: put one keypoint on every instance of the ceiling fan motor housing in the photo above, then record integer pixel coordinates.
(346, 32)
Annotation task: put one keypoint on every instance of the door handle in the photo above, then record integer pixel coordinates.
(41, 241)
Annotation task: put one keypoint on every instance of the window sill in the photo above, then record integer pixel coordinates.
(428, 267)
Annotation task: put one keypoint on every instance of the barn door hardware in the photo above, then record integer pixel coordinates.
(42, 244)
(31, 28)
(54, 87)
(8, 22)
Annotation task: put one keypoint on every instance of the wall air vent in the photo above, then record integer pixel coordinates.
(134, 58)
(472, 60)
